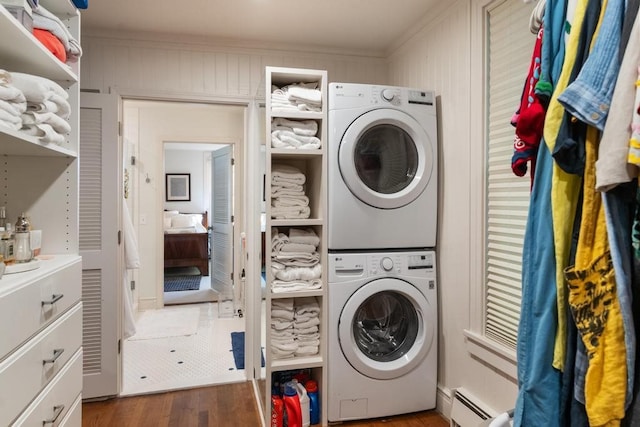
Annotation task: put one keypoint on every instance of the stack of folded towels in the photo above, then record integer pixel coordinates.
(12, 103)
(306, 321)
(294, 134)
(295, 261)
(296, 97)
(41, 103)
(288, 199)
(295, 328)
(283, 343)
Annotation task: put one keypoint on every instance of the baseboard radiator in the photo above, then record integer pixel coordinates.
(468, 411)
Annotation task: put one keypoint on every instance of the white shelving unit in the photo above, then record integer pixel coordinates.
(313, 163)
(41, 348)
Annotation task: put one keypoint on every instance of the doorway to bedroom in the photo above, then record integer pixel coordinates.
(192, 182)
(170, 151)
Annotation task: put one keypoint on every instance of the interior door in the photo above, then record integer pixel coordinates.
(222, 222)
(99, 222)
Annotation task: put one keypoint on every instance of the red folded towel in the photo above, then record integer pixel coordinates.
(52, 43)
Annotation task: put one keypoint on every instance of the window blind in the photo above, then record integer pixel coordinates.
(508, 55)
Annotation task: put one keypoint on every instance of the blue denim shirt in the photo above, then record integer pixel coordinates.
(552, 55)
(589, 96)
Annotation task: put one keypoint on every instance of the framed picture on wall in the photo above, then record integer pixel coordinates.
(178, 187)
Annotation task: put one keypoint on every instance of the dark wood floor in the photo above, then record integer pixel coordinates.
(223, 405)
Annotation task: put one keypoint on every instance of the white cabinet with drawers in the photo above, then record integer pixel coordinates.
(41, 309)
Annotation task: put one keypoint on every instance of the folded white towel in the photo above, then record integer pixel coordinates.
(5, 77)
(297, 247)
(279, 286)
(308, 337)
(309, 350)
(293, 212)
(283, 304)
(36, 88)
(289, 139)
(280, 324)
(304, 331)
(288, 200)
(287, 173)
(46, 106)
(63, 106)
(305, 317)
(283, 333)
(299, 94)
(282, 272)
(11, 94)
(9, 124)
(10, 116)
(59, 124)
(307, 305)
(299, 127)
(306, 323)
(281, 314)
(305, 343)
(304, 235)
(13, 108)
(44, 132)
(286, 257)
(292, 190)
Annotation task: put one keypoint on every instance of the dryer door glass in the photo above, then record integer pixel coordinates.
(386, 158)
(385, 326)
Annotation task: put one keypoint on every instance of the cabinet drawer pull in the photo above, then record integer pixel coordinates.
(57, 410)
(54, 298)
(56, 353)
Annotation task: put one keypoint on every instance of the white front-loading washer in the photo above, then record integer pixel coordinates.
(382, 167)
(382, 337)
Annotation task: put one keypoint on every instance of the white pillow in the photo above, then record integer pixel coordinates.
(169, 214)
(181, 220)
(167, 222)
(197, 219)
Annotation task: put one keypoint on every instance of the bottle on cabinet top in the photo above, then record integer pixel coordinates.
(22, 248)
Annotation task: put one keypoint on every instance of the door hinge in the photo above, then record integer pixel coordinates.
(119, 236)
(119, 128)
(232, 218)
(233, 161)
(119, 346)
(232, 276)
(133, 285)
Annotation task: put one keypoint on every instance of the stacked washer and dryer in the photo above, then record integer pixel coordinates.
(382, 203)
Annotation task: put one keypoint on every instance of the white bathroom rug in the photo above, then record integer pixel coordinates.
(166, 323)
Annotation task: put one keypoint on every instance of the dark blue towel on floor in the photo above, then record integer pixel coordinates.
(237, 346)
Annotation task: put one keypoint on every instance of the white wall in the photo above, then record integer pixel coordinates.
(438, 57)
(181, 67)
(191, 162)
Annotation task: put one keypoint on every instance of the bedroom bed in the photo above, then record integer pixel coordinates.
(186, 240)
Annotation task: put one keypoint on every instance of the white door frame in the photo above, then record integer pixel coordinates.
(249, 217)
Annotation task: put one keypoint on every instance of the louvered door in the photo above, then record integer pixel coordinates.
(100, 200)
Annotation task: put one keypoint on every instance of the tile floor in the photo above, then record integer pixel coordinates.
(178, 362)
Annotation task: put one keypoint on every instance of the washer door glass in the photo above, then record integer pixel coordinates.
(386, 158)
(386, 328)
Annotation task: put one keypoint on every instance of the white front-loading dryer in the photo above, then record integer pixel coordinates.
(382, 338)
(382, 167)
